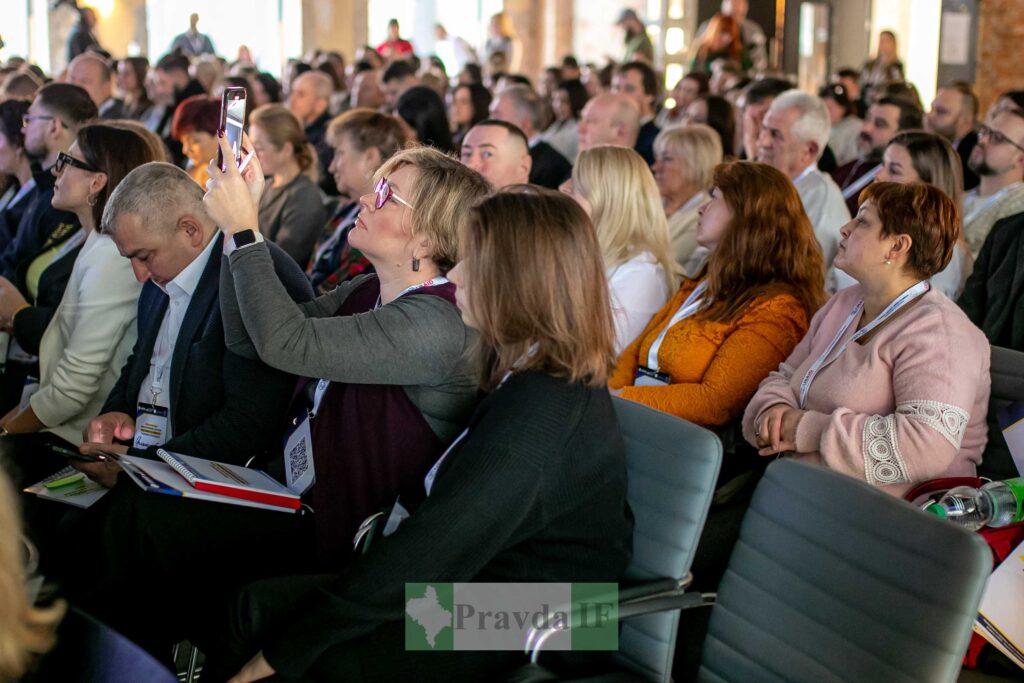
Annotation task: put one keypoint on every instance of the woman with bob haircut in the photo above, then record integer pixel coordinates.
(891, 383)
(533, 490)
(684, 163)
(615, 188)
(703, 355)
(390, 384)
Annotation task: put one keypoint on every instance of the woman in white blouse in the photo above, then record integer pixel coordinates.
(615, 187)
(684, 161)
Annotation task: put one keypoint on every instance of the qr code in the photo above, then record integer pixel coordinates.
(298, 460)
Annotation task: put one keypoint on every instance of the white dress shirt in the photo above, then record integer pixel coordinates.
(825, 207)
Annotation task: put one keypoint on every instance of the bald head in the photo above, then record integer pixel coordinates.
(310, 96)
(609, 119)
(91, 73)
(498, 151)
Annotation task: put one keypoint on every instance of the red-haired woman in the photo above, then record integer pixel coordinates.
(195, 126)
(721, 40)
(704, 353)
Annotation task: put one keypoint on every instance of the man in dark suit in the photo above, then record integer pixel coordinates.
(521, 106)
(993, 296)
(954, 116)
(638, 81)
(92, 73)
(182, 390)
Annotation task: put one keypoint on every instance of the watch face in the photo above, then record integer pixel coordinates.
(244, 237)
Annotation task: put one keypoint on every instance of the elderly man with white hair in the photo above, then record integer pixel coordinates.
(792, 139)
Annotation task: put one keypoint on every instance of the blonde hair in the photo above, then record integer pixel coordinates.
(443, 190)
(626, 208)
(25, 630)
(698, 145)
(282, 126)
(537, 287)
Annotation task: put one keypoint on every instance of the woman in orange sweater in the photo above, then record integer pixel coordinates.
(705, 352)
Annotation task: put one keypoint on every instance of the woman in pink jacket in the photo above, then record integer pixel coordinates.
(891, 383)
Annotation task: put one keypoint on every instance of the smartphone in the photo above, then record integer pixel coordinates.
(75, 455)
(232, 121)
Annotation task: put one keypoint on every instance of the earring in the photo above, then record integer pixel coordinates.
(415, 264)
(91, 199)
(888, 262)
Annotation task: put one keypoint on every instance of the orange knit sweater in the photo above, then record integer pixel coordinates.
(715, 367)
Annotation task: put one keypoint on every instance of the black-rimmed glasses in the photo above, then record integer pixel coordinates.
(64, 159)
(996, 137)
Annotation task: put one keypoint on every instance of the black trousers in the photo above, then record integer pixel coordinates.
(266, 607)
(160, 569)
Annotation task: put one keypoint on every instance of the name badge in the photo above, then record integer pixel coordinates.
(31, 387)
(645, 377)
(298, 456)
(151, 427)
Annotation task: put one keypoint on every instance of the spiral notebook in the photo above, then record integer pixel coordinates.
(190, 477)
(81, 493)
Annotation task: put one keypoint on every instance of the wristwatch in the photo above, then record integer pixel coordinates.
(244, 238)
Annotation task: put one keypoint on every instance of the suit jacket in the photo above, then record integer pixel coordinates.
(993, 297)
(645, 141)
(964, 149)
(39, 222)
(222, 406)
(550, 169)
(115, 110)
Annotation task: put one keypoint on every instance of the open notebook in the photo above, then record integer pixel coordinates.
(82, 493)
(190, 477)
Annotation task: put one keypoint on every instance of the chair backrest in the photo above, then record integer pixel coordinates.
(834, 580)
(672, 467)
(90, 652)
(1007, 387)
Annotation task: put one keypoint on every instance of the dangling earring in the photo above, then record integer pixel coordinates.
(91, 199)
(415, 264)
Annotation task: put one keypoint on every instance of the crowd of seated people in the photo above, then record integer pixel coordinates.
(393, 288)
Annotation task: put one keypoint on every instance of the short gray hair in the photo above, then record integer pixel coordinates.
(813, 124)
(527, 104)
(159, 193)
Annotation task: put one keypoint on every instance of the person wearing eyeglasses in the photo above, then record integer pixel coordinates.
(998, 160)
(391, 384)
(82, 321)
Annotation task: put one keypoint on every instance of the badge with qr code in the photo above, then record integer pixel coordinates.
(298, 458)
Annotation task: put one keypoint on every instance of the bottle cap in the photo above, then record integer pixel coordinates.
(937, 510)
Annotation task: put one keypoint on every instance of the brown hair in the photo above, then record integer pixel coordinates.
(923, 212)
(282, 127)
(116, 151)
(366, 128)
(537, 286)
(719, 24)
(935, 161)
(768, 248)
(443, 189)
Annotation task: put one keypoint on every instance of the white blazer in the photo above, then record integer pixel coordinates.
(88, 340)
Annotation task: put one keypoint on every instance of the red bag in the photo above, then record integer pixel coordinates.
(1001, 540)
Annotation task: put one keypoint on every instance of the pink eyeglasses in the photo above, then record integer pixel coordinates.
(384, 193)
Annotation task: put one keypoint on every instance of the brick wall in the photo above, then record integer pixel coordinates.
(1000, 36)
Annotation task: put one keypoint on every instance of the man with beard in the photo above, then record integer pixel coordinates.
(952, 116)
(998, 159)
(886, 117)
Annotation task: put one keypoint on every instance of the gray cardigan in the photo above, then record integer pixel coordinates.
(293, 216)
(418, 342)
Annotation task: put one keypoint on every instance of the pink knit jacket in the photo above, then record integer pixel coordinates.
(906, 406)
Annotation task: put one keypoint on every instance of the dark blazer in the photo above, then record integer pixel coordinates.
(10, 217)
(550, 169)
(39, 222)
(223, 407)
(993, 296)
(964, 149)
(645, 141)
(116, 110)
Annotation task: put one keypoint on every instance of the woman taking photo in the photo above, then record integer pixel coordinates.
(703, 354)
(389, 349)
(291, 209)
(469, 106)
(541, 466)
(615, 188)
(362, 139)
(891, 384)
(684, 163)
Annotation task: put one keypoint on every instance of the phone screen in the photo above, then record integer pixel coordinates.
(233, 120)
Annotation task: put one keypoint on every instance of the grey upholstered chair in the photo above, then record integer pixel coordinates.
(1007, 387)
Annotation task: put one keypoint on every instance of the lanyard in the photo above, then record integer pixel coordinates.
(861, 182)
(689, 307)
(321, 386)
(22, 191)
(980, 206)
(899, 302)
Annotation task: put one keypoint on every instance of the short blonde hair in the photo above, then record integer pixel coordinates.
(444, 189)
(699, 145)
(25, 630)
(626, 208)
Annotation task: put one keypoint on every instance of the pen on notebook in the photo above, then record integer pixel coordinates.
(228, 473)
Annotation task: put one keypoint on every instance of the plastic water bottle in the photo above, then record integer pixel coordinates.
(996, 504)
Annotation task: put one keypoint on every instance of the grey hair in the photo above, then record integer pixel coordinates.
(157, 192)
(813, 124)
(527, 104)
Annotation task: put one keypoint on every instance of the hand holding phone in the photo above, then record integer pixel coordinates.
(75, 455)
(232, 122)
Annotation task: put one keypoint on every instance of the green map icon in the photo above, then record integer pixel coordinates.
(428, 616)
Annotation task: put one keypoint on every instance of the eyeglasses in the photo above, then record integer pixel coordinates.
(996, 137)
(384, 193)
(64, 159)
(27, 119)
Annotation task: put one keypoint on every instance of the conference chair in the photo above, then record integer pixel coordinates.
(1007, 372)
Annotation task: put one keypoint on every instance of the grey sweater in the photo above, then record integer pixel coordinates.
(293, 216)
(417, 342)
